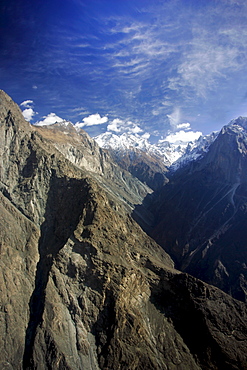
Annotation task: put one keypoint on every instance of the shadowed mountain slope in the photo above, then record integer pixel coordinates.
(200, 217)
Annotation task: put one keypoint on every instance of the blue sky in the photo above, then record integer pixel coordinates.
(146, 66)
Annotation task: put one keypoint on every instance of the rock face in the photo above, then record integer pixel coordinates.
(200, 216)
(82, 286)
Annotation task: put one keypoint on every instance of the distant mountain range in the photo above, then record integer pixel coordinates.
(150, 163)
(173, 155)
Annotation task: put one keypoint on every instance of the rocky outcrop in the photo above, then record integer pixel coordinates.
(200, 216)
(83, 287)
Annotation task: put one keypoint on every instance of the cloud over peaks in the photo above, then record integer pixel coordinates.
(183, 136)
(92, 120)
(50, 119)
(120, 126)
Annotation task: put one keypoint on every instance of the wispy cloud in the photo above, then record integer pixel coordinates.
(27, 103)
(205, 62)
(174, 118)
(159, 65)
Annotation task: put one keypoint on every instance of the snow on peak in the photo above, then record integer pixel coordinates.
(124, 141)
(194, 150)
(175, 150)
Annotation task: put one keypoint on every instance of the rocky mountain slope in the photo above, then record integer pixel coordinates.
(200, 216)
(82, 286)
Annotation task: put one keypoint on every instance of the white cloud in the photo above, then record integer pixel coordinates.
(183, 136)
(174, 120)
(27, 103)
(115, 125)
(50, 119)
(80, 110)
(28, 114)
(120, 126)
(209, 57)
(139, 47)
(156, 111)
(93, 119)
(185, 126)
(167, 103)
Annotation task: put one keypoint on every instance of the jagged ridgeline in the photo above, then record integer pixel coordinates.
(81, 285)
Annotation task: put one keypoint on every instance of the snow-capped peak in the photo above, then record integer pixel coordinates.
(124, 141)
(175, 154)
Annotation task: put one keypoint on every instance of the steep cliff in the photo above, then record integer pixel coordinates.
(82, 286)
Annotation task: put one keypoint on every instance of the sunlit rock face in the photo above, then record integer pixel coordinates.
(82, 286)
(200, 216)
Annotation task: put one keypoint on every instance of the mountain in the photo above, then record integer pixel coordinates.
(194, 151)
(148, 162)
(148, 168)
(171, 154)
(200, 216)
(134, 154)
(82, 286)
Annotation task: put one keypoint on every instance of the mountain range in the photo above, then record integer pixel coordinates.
(151, 162)
(172, 155)
(84, 286)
